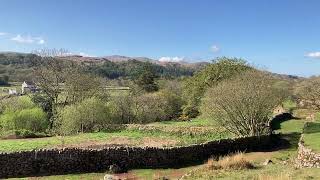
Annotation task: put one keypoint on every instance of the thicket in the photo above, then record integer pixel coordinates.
(20, 116)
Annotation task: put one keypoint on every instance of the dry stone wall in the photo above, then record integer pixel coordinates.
(307, 158)
(66, 161)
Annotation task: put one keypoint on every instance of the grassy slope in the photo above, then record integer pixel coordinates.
(281, 168)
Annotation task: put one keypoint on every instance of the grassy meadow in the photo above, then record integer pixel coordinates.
(159, 134)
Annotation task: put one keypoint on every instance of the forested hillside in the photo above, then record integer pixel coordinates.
(18, 67)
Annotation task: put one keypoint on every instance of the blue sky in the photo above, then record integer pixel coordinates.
(282, 36)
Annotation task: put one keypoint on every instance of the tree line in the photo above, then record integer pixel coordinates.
(74, 99)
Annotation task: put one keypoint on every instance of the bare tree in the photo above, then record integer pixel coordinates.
(309, 92)
(62, 82)
(243, 105)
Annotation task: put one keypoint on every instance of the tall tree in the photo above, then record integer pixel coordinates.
(62, 82)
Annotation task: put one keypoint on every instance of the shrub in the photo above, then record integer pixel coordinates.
(33, 120)
(149, 108)
(121, 109)
(232, 162)
(88, 115)
(159, 106)
(243, 105)
(16, 104)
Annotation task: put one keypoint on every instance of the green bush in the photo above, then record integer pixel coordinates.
(16, 104)
(160, 106)
(121, 108)
(88, 115)
(33, 120)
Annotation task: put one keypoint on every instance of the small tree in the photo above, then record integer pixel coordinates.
(243, 105)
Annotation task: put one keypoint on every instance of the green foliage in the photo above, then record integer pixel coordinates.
(138, 107)
(146, 80)
(195, 86)
(20, 113)
(160, 106)
(121, 108)
(32, 119)
(88, 115)
(243, 105)
(289, 105)
(16, 104)
(132, 68)
(15, 66)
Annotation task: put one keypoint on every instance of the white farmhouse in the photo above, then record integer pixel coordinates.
(28, 86)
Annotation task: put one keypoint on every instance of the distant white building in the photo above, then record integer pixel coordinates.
(28, 86)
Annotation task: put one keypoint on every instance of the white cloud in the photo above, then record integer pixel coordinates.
(85, 54)
(313, 54)
(3, 33)
(76, 54)
(28, 39)
(41, 41)
(171, 59)
(215, 48)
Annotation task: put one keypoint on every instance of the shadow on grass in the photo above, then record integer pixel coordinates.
(289, 140)
(278, 119)
(311, 127)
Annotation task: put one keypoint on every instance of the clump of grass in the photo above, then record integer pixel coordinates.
(231, 162)
(274, 177)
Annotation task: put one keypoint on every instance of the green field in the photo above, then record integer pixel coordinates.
(311, 136)
(282, 166)
(160, 134)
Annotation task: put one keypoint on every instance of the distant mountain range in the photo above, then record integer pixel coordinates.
(119, 58)
(17, 65)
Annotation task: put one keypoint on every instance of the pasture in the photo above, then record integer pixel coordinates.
(159, 134)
